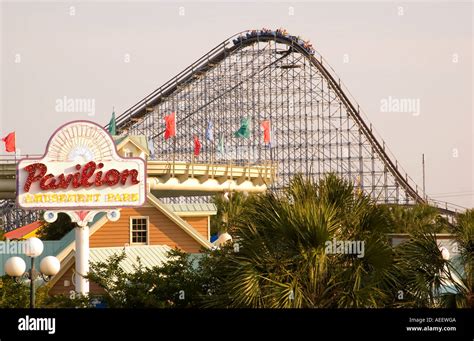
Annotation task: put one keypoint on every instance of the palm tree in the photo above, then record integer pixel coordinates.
(426, 278)
(230, 208)
(462, 267)
(283, 259)
(422, 270)
(418, 217)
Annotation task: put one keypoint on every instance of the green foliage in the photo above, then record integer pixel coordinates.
(229, 212)
(426, 279)
(13, 294)
(68, 301)
(417, 218)
(17, 295)
(463, 270)
(56, 230)
(421, 270)
(282, 261)
(177, 283)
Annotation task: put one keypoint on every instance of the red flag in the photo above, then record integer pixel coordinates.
(266, 131)
(197, 146)
(170, 130)
(10, 142)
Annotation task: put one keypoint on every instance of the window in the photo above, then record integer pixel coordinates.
(138, 230)
(127, 152)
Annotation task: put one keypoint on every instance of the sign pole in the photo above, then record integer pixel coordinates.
(81, 231)
(82, 259)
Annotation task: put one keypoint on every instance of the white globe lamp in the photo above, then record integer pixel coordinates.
(34, 247)
(49, 266)
(15, 266)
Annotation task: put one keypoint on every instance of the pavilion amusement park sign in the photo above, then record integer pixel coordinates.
(81, 170)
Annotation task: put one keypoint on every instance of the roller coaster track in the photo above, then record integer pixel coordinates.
(221, 51)
(211, 60)
(246, 38)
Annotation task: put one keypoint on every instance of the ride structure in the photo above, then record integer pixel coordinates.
(263, 75)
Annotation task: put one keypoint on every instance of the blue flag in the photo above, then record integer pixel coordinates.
(210, 131)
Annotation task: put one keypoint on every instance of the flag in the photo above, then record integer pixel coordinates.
(197, 145)
(170, 126)
(266, 131)
(113, 125)
(244, 130)
(220, 145)
(151, 147)
(210, 131)
(10, 145)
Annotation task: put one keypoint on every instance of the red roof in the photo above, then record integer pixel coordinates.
(22, 231)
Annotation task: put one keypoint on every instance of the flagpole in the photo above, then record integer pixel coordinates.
(115, 122)
(248, 161)
(213, 152)
(271, 161)
(174, 154)
(210, 139)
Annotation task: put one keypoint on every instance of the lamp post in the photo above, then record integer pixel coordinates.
(16, 266)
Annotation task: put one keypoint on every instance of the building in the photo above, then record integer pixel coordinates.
(24, 232)
(147, 232)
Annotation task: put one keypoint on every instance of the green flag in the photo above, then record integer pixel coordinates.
(244, 130)
(113, 125)
(220, 146)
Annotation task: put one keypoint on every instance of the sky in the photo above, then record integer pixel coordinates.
(112, 54)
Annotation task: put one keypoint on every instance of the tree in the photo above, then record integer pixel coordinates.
(462, 267)
(425, 278)
(178, 283)
(282, 260)
(421, 270)
(230, 210)
(13, 294)
(17, 295)
(420, 217)
(57, 229)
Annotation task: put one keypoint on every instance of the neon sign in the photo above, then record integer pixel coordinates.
(81, 169)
